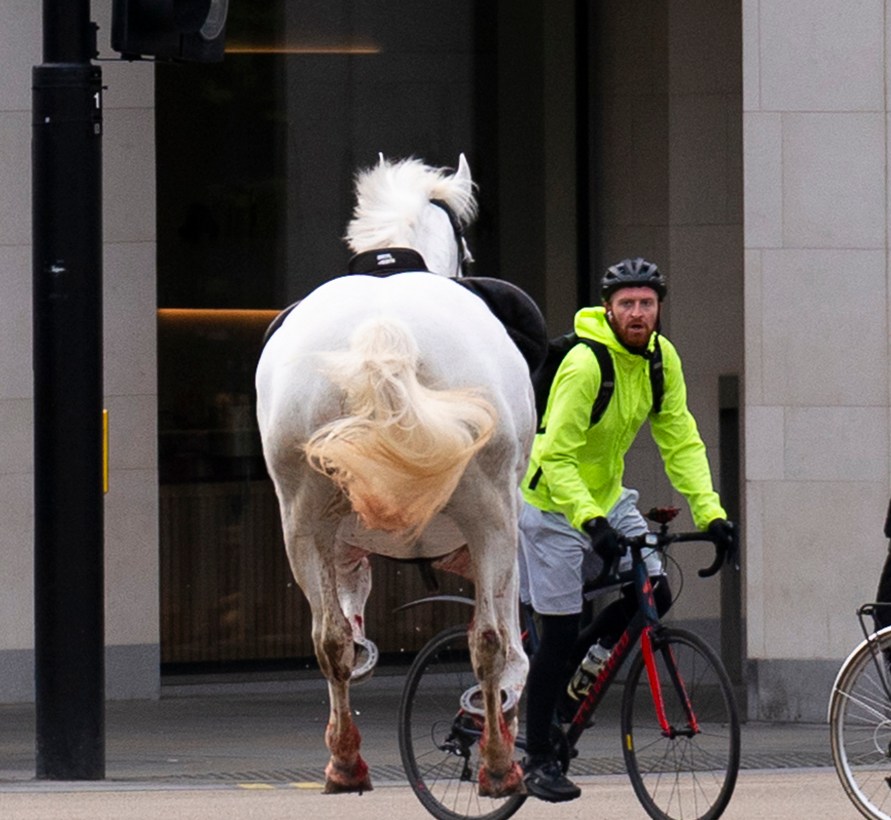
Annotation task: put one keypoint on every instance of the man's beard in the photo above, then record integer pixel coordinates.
(637, 340)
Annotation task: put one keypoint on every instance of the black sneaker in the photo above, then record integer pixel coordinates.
(545, 780)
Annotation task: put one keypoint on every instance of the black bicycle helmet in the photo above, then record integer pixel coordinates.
(632, 273)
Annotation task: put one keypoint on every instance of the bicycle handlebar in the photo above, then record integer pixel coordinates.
(721, 556)
(658, 541)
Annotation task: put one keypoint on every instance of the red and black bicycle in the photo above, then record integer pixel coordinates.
(678, 720)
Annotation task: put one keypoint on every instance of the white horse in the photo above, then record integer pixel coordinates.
(396, 416)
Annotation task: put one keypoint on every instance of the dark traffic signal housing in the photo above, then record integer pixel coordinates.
(190, 30)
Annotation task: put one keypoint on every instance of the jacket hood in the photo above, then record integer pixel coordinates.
(591, 322)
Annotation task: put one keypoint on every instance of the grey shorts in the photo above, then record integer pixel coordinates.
(555, 558)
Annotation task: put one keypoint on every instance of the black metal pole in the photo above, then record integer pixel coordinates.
(732, 624)
(586, 233)
(68, 459)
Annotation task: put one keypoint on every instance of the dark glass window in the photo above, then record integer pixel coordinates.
(255, 161)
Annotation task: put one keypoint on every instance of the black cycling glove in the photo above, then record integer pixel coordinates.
(723, 534)
(604, 539)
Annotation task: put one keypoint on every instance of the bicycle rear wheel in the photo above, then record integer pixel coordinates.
(684, 773)
(439, 740)
(860, 726)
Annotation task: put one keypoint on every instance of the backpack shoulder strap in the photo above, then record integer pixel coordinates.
(607, 377)
(657, 377)
(607, 380)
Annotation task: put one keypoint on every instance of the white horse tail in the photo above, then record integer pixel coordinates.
(402, 447)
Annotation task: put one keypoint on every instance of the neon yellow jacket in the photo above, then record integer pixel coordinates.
(577, 469)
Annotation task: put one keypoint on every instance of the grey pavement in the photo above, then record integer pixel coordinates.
(267, 737)
(761, 794)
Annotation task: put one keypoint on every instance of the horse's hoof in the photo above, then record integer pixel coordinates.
(511, 782)
(334, 787)
(340, 779)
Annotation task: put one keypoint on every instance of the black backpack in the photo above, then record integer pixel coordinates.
(559, 347)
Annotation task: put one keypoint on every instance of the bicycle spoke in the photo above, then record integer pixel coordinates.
(439, 741)
(860, 727)
(682, 774)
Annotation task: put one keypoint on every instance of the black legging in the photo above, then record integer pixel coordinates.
(561, 649)
(558, 633)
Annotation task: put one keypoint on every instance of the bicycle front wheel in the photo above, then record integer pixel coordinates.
(439, 739)
(860, 725)
(689, 771)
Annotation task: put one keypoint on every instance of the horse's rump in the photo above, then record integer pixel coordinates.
(401, 449)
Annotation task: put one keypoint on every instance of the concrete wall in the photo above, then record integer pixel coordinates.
(816, 326)
(131, 561)
(19, 51)
(704, 234)
(668, 186)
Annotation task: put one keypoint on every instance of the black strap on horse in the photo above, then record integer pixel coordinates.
(386, 261)
(458, 229)
(381, 262)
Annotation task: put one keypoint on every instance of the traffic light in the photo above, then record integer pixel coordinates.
(192, 30)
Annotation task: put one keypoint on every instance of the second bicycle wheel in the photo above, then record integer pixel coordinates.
(860, 726)
(684, 773)
(439, 739)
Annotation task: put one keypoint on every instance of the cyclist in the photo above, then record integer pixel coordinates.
(883, 593)
(575, 503)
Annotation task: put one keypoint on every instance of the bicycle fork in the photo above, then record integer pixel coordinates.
(649, 655)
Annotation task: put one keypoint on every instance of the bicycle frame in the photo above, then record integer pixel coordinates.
(868, 611)
(643, 629)
(676, 769)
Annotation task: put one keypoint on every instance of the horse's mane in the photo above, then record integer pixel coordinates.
(391, 195)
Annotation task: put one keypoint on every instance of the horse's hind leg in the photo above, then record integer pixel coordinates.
(494, 636)
(312, 561)
(353, 573)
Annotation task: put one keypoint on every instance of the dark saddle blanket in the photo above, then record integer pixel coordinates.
(512, 306)
(517, 311)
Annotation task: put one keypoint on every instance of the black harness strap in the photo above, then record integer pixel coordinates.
(458, 229)
(384, 261)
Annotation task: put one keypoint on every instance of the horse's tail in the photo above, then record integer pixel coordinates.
(402, 447)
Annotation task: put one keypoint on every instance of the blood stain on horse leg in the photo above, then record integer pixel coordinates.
(510, 781)
(346, 770)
